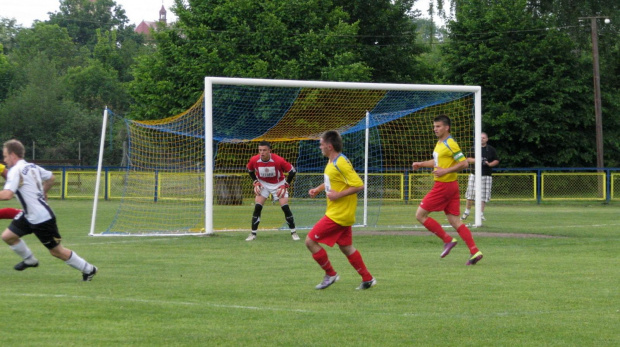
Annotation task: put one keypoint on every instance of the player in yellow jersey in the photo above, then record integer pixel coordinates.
(341, 185)
(448, 159)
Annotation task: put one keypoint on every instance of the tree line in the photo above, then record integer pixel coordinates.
(532, 58)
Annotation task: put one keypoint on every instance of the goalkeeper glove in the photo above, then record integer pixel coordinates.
(257, 187)
(282, 190)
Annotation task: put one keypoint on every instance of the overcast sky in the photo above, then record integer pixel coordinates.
(26, 11)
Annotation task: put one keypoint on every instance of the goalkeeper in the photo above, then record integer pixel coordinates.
(267, 171)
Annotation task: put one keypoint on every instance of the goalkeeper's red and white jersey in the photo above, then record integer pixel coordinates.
(25, 180)
(271, 171)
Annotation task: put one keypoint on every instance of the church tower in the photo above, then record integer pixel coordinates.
(162, 15)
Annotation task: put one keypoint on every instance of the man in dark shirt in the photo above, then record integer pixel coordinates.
(489, 160)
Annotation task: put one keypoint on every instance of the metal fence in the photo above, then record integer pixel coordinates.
(535, 185)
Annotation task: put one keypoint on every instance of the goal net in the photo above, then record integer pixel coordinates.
(186, 174)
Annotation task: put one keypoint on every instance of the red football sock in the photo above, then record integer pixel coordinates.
(436, 229)
(8, 213)
(358, 264)
(465, 234)
(321, 258)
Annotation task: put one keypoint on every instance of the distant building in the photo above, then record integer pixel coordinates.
(145, 27)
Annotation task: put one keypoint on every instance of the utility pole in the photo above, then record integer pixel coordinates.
(598, 116)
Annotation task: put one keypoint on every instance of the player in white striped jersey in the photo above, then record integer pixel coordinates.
(30, 184)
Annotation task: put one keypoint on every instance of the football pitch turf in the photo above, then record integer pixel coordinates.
(549, 277)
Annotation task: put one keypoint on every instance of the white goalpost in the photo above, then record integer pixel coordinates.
(186, 174)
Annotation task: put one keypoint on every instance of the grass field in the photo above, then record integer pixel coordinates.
(558, 290)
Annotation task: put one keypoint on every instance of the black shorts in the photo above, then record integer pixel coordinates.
(46, 232)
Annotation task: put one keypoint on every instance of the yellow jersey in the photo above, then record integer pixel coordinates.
(339, 175)
(446, 154)
(2, 168)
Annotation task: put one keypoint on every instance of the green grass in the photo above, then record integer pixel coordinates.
(223, 291)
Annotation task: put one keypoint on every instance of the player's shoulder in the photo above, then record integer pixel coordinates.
(17, 168)
(20, 164)
(276, 157)
(451, 140)
(342, 161)
(254, 159)
(280, 160)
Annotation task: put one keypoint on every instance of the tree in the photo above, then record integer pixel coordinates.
(101, 27)
(58, 76)
(313, 40)
(95, 86)
(387, 37)
(49, 73)
(39, 111)
(49, 41)
(5, 74)
(82, 19)
(8, 30)
(534, 89)
(432, 61)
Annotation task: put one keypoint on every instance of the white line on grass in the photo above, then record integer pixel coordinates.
(160, 302)
(581, 226)
(141, 240)
(274, 309)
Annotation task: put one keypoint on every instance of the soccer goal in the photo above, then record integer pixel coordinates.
(186, 175)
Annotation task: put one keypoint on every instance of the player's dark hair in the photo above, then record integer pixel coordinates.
(333, 138)
(16, 147)
(444, 119)
(265, 143)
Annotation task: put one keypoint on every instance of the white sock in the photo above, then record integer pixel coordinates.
(466, 211)
(23, 251)
(77, 262)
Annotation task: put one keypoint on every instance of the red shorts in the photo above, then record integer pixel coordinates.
(328, 232)
(444, 196)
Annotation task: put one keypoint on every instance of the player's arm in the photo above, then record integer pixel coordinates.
(253, 176)
(334, 195)
(459, 166)
(281, 192)
(291, 176)
(354, 182)
(284, 166)
(257, 186)
(6, 194)
(314, 191)
(419, 164)
(47, 185)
